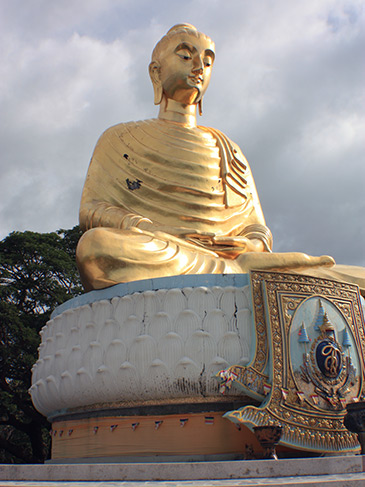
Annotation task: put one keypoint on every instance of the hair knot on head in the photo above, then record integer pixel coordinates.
(180, 27)
(177, 29)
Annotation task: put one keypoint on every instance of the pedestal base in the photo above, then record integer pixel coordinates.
(186, 437)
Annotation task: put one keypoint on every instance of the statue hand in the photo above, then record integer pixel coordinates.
(169, 233)
(240, 244)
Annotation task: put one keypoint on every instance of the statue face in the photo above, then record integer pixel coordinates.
(185, 68)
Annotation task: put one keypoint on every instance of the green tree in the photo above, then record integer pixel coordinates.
(37, 273)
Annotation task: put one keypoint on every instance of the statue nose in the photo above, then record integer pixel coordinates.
(198, 65)
(198, 70)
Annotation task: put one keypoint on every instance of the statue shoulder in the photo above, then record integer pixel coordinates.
(117, 139)
(117, 130)
(221, 134)
(229, 144)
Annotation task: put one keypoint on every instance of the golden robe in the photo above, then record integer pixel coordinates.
(175, 176)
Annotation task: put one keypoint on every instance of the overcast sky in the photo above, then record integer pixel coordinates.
(288, 86)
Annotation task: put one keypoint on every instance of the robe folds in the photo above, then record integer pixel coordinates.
(176, 176)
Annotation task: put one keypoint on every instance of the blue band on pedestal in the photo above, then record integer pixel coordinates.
(123, 289)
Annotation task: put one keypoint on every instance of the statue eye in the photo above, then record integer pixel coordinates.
(184, 54)
(208, 61)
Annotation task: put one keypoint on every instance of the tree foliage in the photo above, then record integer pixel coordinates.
(37, 273)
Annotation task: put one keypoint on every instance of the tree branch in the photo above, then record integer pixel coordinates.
(16, 451)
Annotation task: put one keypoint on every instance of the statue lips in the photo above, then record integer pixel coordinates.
(196, 79)
(196, 82)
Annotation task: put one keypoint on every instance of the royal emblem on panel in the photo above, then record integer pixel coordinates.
(327, 372)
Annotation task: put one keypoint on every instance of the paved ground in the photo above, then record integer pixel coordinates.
(339, 480)
(335, 471)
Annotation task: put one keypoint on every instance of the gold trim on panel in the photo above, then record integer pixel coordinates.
(311, 419)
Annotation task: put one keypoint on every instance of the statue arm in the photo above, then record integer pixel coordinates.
(256, 230)
(252, 235)
(102, 214)
(101, 203)
(94, 213)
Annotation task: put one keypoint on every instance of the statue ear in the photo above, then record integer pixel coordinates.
(154, 70)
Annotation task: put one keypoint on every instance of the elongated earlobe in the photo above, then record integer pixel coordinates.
(154, 70)
(200, 106)
(158, 94)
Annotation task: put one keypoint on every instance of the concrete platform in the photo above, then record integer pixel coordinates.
(344, 480)
(339, 471)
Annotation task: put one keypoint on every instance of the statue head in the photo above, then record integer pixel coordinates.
(181, 65)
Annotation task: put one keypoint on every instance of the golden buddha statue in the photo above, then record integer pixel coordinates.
(167, 197)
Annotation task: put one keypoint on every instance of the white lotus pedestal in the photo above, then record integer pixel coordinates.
(136, 372)
(127, 373)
